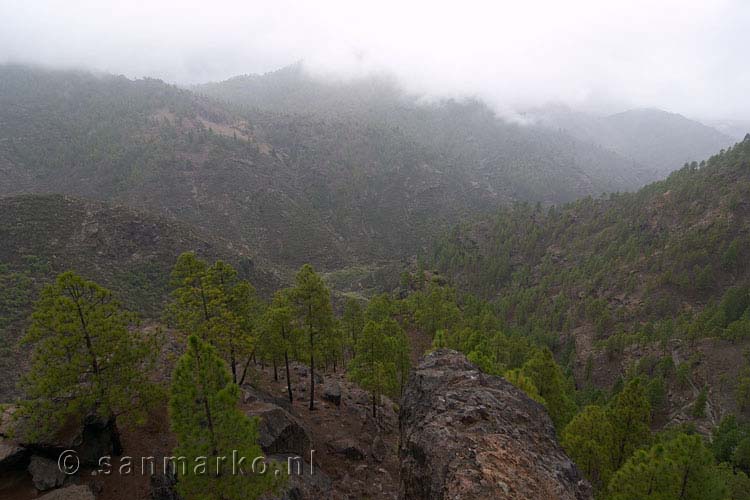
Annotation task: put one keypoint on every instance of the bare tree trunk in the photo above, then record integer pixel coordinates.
(288, 378)
(244, 370)
(234, 364)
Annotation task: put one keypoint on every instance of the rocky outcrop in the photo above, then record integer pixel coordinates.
(45, 473)
(332, 392)
(465, 434)
(279, 431)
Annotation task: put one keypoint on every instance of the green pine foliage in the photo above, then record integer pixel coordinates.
(213, 303)
(279, 335)
(87, 360)
(681, 468)
(682, 242)
(589, 440)
(381, 363)
(213, 435)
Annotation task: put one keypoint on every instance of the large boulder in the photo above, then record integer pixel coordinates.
(465, 434)
(45, 473)
(332, 392)
(72, 492)
(279, 431)
(252, 394)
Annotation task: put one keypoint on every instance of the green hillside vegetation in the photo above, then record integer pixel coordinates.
(518, 162)
(609, 434)
(666, 262)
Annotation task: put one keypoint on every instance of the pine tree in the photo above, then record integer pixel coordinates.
(353, 322)
(631, 420)
(520, 380)
(212, 431)
(400, 352)
(214, 304)
(86, 360)
(189, 309)
(280, 333)
(235, 311)
(373, 367)
(436, 309)
(679, 469)
(553, 388)
(588, 440)
(313, 302)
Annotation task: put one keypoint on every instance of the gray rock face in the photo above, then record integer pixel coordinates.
(73, 492)
(279, 431)
(465, 434)
(45, 473)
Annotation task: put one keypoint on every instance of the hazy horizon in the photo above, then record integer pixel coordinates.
(684, 57)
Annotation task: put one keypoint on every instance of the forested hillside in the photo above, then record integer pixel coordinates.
(661, 273)
(625, 316)
(292, 187)
(518, 162)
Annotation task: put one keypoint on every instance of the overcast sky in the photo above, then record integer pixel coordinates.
(687, 56)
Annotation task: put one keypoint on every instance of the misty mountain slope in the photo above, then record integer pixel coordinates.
(640, 276)
(520, 162)
(292, 187)
(291, 190)
(663, 141)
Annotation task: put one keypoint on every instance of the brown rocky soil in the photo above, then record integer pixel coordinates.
(354, 453)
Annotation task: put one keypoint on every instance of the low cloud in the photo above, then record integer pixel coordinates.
(687, 56)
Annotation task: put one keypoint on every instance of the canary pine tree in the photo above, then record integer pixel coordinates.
(211, 302)
(681, 468)
(381, 363)
(87, 361)
(588, 439)
(213, 435)
(278, 332)
(630, 415)
(312, 300)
